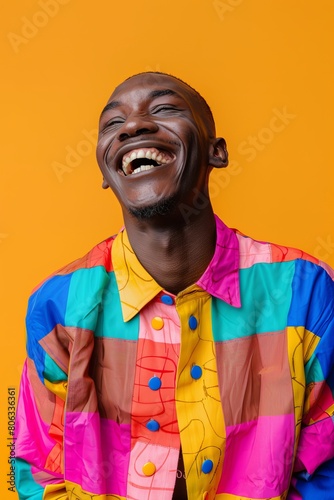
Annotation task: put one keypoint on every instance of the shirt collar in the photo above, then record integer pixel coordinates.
(137, 288)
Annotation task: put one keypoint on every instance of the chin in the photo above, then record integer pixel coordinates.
(162, 208)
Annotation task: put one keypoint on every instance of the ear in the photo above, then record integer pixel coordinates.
(218, 156)
(105, 185)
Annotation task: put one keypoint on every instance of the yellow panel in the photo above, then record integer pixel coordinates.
(310, 343)
(295, 337)
(78, 493)
(227, 496)
(55, 492)
(58, 388)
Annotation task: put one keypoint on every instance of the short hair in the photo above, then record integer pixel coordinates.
(199, 97)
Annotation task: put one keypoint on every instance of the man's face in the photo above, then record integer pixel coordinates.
(154, 143)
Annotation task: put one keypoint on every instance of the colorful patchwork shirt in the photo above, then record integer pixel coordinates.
(236, 371)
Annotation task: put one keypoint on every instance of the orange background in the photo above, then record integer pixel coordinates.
(254, 60)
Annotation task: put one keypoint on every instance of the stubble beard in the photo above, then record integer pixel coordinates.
(162, 208)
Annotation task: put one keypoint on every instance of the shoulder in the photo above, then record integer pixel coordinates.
(256, 251)
(99, 255)
(294, 277)
(80, 284)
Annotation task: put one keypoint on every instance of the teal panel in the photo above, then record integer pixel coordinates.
(52, 372)
(110, 321)
(313, 370)
(26, 487)
(85, 296)
(265, 302)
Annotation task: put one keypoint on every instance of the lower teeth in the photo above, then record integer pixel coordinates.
(142, 168)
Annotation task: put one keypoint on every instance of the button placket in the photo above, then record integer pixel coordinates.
(197, 338)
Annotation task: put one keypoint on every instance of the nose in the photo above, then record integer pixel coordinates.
(136, 125)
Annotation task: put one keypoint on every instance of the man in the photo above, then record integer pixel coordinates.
(179, 359)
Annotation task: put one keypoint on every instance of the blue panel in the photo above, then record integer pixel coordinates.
(312, 303)
(318, 486)
(325, 353)
(46, 309)
(47, 306)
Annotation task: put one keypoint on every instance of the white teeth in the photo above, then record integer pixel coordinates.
(142, 168)
(150, 154)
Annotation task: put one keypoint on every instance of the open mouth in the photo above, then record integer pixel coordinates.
(139, 160)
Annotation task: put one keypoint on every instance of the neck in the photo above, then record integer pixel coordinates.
(175, 252)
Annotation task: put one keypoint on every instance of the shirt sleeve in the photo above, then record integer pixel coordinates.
(39, 437)
(39, 471)
(313, 475)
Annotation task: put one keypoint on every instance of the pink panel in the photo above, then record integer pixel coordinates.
(159, 485)
(33, 442)
(313, 449)
(169, 333)
(97, 453)
(258, 457)
(252, 252)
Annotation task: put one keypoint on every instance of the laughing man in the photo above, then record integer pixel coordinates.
(179, 359)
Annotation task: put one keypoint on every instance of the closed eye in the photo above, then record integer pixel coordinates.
(164, 109)
(114, 121)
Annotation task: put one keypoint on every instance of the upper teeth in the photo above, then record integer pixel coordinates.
(151, 154)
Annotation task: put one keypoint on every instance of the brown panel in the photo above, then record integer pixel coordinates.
(81, 395)
(57, 345)
(113, 371)
(254, 377)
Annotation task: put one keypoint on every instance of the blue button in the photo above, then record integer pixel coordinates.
(167, 299)
(192, 323)
(196, 372)
(207, 466)
(154, 383)
(153, 425)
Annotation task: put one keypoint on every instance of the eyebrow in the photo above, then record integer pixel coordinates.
(161, 93)
(151, 95)
(111, 105)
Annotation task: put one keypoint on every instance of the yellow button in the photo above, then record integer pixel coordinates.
(148, 469)
(157, 323)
